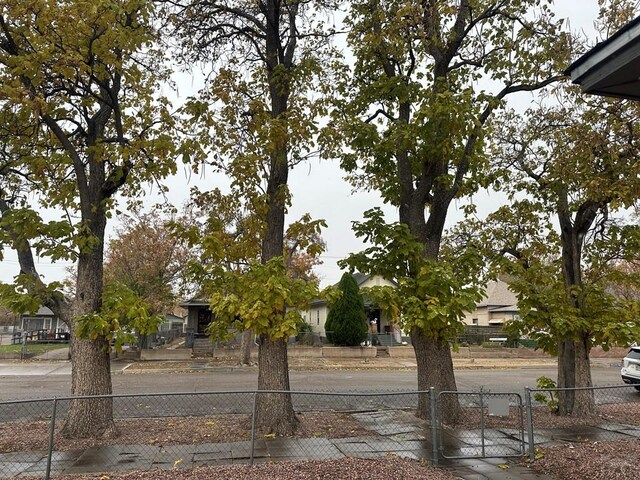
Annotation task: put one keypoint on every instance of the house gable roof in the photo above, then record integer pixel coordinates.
(498, 294)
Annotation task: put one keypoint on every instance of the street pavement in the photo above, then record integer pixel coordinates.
(330, 373)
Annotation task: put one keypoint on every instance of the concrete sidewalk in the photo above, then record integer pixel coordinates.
(63, 367)
(119, 458)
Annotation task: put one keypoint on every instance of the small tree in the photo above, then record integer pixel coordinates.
(346, 322)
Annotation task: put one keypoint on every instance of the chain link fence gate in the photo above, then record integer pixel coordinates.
(485, 425)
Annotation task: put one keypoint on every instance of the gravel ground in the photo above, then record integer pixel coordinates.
(343, 469)
(615, 460)
(25, 436)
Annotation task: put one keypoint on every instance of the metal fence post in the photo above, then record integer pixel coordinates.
(482, 422)
(253, 426)
(52, 430)
(532, 448)
(434, 426)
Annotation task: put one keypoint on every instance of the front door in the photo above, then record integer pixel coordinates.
(204, 319)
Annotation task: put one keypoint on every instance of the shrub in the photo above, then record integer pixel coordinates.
(549, 398)
(305, 334)
(347, 322)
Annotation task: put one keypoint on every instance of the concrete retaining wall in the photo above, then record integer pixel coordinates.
(165, 354)
(349, 352)
(362, 352)
(475, 352)
(10, 356)
(305, 352)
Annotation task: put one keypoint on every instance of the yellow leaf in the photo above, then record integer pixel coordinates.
(270, 435)
(177, 462)
(503, 466)
(210, 424)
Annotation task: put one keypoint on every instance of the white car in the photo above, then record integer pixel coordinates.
(631, 368)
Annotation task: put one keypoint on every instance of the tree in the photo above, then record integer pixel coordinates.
(576, 158)
(149, 259)
(257, 119)
(347, 321)
(415, 120)
(81, 121)
(225, 236)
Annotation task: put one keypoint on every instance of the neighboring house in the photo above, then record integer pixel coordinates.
(43, 319)
(498, 306)
(378, 320)
(172, 322)
(199, 316)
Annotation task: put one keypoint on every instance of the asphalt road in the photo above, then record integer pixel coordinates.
(502, 380)
(237, 382)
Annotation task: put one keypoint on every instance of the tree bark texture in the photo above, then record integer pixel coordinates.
(246, 345)
(585, 404)
(435, 369)
(91, 375)
(274, 411)
(574, 370)
(566, 376)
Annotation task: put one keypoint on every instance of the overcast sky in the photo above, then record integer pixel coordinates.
(318, 187)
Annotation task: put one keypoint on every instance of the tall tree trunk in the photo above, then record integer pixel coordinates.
(90, 375)
(574, 370)
(246, 345)
(566, 376)
(435, 369)
(433, 355)
(91, 368)
(585, 404)
(275, 413)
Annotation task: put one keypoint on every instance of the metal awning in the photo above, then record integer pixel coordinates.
(612, 67)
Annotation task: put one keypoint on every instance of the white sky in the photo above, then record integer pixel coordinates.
(318, 187)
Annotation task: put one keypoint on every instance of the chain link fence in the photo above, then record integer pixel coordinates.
(481, 424)
(602, 414)
(184, 430)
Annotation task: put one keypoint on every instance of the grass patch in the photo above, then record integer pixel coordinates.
(33, 347)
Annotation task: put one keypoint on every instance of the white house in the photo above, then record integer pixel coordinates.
(378, 320)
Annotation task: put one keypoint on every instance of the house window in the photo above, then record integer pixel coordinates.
(474, 321)
(318, 317)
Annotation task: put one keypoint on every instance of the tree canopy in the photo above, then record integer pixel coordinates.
(415, 120)
(81, 122)
(575, 158)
